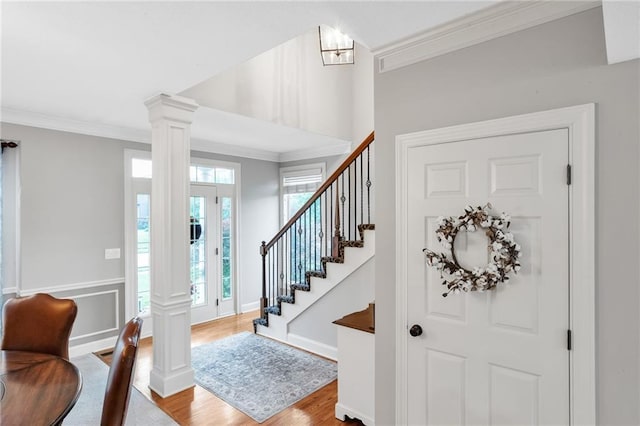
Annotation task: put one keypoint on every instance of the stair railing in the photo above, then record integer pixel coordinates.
(314, 234)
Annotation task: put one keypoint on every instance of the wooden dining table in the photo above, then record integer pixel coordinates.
(36, 388)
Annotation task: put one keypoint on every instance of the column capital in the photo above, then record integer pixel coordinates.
(171, 107)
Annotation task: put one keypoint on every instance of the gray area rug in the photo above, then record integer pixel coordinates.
(88, 409)
(259, 376)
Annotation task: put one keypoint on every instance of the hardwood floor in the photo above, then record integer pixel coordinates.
(197, 406)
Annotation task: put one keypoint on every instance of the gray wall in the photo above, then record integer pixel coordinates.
(71, 206)
(558, 64)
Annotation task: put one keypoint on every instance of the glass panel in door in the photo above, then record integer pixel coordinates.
(203, 257)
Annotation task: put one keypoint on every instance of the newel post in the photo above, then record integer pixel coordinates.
(263, 299)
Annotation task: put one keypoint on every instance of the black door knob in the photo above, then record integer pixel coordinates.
(415, 330)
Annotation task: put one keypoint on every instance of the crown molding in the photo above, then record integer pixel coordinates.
(316, 152)
(205, 145)
(51, 122)
(44, 121)
(501, 19)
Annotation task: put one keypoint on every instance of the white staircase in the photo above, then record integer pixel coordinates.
(340, 271)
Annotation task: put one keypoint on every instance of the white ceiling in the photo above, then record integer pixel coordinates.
(89, 66)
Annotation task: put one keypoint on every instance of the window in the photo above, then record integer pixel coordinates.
(227, 244)
(209, 174)
(297, 185)
(141, 168)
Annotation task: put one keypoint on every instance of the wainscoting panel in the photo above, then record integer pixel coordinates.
(100, 313)
(87, 323)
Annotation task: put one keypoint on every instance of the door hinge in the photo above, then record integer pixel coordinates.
(216, 199)
(569, 343)
(216, 251)
(217, 302)
(568, 174)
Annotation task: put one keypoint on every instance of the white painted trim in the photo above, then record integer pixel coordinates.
(10, 290)
(313, 346)
(129, 241)
(248, 307)
(316, 152)
(51, 122)
(204, 145)
(504, 18)
(116, 315)
(95, 346)
(342, 411)
(71, 287)
(580, 123)
(62, 124)
(11, 197)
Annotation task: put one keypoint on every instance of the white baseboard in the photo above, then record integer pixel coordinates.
(342, 411)
(91, 347)
(316, 347)
(247, 307)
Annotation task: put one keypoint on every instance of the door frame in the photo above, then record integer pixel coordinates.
(580, 123)
(224, 190)
(212, 273)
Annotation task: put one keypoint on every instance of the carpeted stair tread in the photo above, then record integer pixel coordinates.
(272, 310)
(303, 287)
(286, 299)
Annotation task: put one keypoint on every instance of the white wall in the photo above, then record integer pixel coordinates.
(554, 65)
(286, 85)
(351, 295)
(362, 89)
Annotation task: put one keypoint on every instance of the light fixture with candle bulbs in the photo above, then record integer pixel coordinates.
(336, 48)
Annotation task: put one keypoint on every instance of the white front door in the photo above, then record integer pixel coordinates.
(499, 357)
(212, 293)
(204, 250)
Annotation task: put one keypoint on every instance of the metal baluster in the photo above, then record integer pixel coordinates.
(342, 200)
(331, 221)
(368, 188)
(361, 193)
(348, 212)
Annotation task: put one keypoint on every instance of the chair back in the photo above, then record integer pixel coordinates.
(119, 382)
(38, 323)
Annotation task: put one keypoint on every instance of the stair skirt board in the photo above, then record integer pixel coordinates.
(309, 345)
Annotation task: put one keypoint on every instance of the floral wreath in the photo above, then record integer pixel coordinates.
(504, 251)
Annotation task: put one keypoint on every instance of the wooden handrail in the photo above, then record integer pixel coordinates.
(334, 176)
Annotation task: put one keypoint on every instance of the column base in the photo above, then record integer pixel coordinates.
(172, 384)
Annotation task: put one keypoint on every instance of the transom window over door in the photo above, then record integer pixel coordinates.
(213, 252)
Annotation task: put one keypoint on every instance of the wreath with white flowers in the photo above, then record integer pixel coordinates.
(504, 251)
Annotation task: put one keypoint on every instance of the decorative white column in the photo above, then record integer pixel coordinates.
(170, 118)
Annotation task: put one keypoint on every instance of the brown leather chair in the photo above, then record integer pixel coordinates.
(38, 323)
(118, 392)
